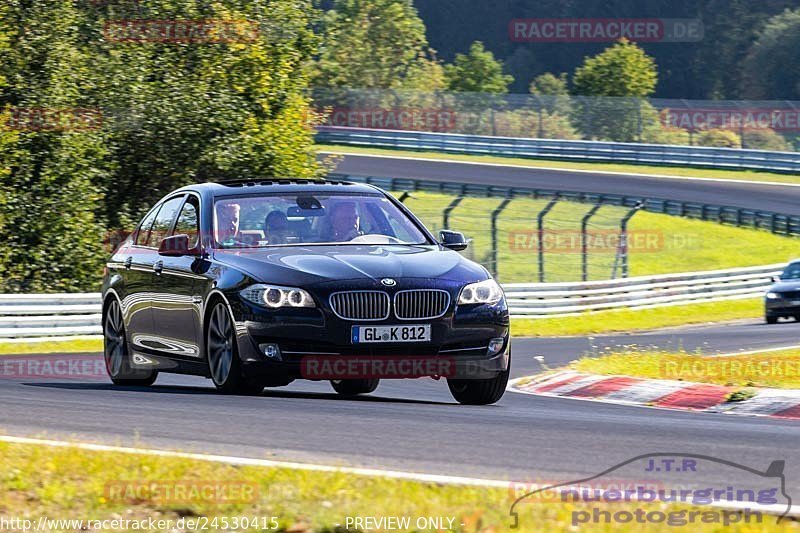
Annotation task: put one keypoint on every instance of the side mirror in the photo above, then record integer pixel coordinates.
(453, 240)
(774, 279)
(176, 246)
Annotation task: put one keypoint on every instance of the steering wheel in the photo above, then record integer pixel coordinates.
(371, 238)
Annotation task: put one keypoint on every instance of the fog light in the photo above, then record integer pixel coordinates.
(270, 350)
(495, 346)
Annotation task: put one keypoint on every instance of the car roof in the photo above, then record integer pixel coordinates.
(272, 185)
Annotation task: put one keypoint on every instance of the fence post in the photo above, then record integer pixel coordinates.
(446, 214)
(495, 214)
(622, 249)
(540, 234)
(584, 247)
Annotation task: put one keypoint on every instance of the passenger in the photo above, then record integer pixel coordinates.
(276, 228)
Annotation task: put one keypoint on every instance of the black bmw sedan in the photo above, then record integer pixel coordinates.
(782, 299)
(258, 283)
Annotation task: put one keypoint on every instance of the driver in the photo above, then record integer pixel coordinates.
(228, 224)
(345, 222)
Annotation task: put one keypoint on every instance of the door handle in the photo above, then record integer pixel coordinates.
(158, 266)
(128, 262)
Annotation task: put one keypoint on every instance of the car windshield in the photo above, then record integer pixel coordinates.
(307, 219)
(791, 272)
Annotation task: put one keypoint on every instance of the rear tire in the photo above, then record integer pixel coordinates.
(772, 320)
(224, 365)
(116, 354)
(479, 391)
(352, 387)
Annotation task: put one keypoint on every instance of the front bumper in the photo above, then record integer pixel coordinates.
(459, 343)
(781, 307)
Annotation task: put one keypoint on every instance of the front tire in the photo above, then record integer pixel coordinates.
(479, 391)
(222, 356)
(352, 387)
(772, 319)
(115, 351)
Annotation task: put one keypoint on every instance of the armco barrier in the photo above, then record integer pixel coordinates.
(47, 315)
(609, 152)
(737, 216)
(564, 299)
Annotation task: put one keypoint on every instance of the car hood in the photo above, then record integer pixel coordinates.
(783, 286)
(307, 265)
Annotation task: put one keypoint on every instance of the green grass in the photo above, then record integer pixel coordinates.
(780, 369)
(67, 346)
(624, 320)
(746, 175)
(64, 483)
(60, 346)
(659, 244)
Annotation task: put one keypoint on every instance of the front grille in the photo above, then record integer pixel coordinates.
(421, 304)
(790, 295)
(360, 305)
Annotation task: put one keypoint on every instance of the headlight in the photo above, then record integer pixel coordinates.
(773, 295)
(274, 296)
(483, 292)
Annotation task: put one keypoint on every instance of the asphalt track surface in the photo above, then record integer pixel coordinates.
(415, 425)
(778, 198)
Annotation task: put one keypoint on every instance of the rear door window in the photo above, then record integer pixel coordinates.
(144, 228)
(163, 221)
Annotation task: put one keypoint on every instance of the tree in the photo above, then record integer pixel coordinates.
(548, 84)
(172, 113)
(50, 173)
(766, 72)
(371, 44)
(719, 138)
(553, 92)
(615, 83)
(765, 139)
(620, 70)
(477, 72)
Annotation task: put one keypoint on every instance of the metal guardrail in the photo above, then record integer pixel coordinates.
(779, 223)
(569, 150)
(48, 315)
(565, 299)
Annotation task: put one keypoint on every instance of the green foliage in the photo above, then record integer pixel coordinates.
(425, 75)
(620, 70)
(662, 135)
(172, 113)
(625, 73)
(768, 71)
(50, 179)
(524, 123)
(553, 91)
(478, 71)
(765, 139)
(372, 44)
(719, 138)
(548, 84)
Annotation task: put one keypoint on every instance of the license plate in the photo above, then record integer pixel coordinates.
(794, 302)
(405, 333)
